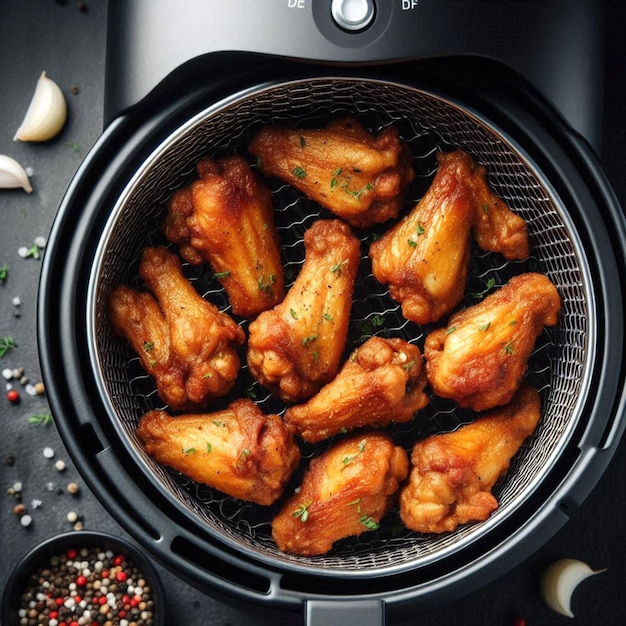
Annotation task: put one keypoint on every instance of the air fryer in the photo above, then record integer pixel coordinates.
(195, 79)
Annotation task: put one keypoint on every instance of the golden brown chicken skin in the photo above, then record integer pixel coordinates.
(452, 474)
(297, 346)
(183, 341)
(346, 491)
(480, 358)
(382, 382)
(226, 219)
(240, 451)
(359, 177)
(424, 258)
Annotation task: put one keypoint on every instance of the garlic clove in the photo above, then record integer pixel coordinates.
(46, 113)
(12, 174)
(559, 581)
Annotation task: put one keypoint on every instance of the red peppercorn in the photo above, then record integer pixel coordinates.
(102, 600)
(81, 581)
(71, 553)
(13, 396)
(135, 601)
(119, 559)
(53, 614)
(125, 599)
(519, 621)
(74, 624)
(120, 577)
(77, 599)
(105, 573)
(122, 613)
(59, 602)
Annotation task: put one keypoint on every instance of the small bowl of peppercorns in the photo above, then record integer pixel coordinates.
(84, 578)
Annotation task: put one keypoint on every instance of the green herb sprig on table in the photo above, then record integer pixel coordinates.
(6, 343)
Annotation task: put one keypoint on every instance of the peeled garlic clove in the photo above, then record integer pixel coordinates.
(46, 113)
(559, 581)
(12, 174)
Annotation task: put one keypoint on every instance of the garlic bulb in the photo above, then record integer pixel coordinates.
(46, 113)
(12, 174)
(559, 581)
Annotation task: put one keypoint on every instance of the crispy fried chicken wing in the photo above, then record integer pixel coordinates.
(359, 177)
(345, 491)
(452, 474)
(382, 382)
(226, 219)
(239, 451)
(424, 258)
(183, 341)
(296, 347)
(480, 358)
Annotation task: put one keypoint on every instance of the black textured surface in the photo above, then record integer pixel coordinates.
(68, 43)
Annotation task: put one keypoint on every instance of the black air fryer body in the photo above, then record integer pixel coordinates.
(168, 64)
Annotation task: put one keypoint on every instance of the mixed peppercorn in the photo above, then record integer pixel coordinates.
(87, 587)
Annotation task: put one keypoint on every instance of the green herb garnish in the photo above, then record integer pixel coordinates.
(337, 267)
(348, 459)
(488, 287)
(302, 512)
(309, 339)
(42, 419)
(6, 343)
(369, 523)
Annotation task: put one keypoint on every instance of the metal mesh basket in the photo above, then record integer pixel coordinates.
(559, 365)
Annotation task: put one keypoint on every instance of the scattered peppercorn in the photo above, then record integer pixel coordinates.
(19, 509)
(26, 520)
(13, 396)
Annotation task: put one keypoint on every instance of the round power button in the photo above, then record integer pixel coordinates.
(353, 15)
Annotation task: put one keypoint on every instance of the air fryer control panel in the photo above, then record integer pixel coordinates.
(555, 44)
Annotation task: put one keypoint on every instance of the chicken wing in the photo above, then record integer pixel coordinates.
(452, 474)
(296, 347)
(425, 257)
(239, 451)
(226, 219)
(352, 173)
(480, 358)
(182, 340)
(382, 382)
(345, 491)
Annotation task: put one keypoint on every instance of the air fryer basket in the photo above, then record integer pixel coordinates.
(559, 367)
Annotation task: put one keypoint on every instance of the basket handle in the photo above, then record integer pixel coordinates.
(344, 613)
